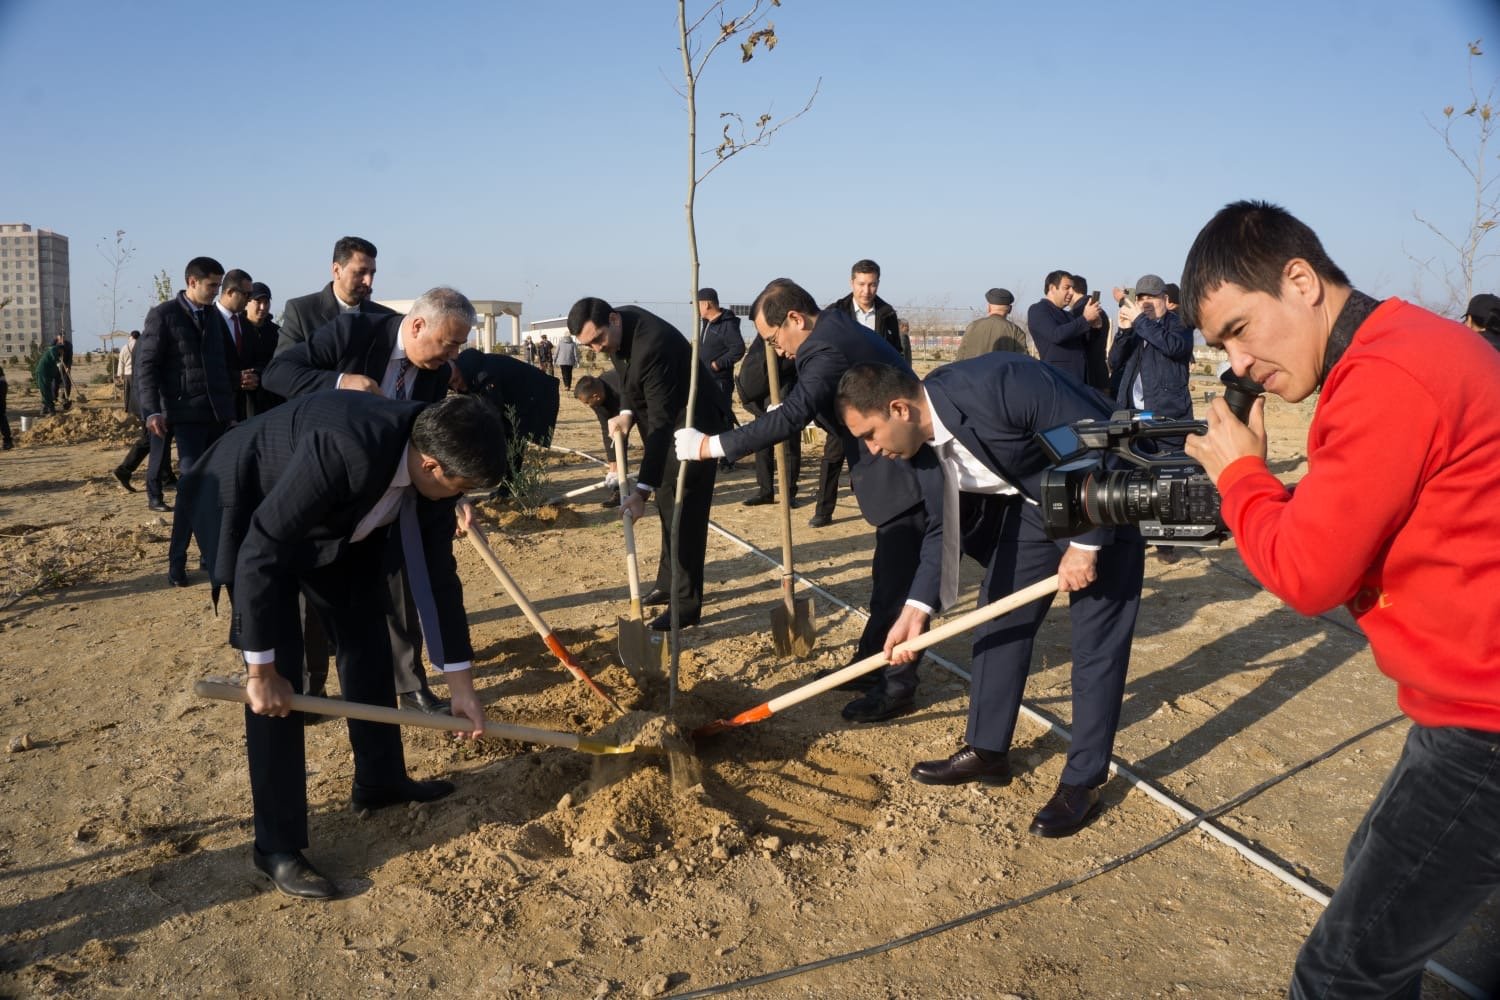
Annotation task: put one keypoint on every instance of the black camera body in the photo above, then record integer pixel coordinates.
(1099, 479)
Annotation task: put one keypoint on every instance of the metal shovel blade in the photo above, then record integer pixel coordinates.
(642, 651)
(794, 631)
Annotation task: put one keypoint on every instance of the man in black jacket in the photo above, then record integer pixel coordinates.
(523, 395)
(399, 357)
(874, 313)
(185, 377)
(755, 394)
(894, 497)
(723, 344)
(263, 334)
(602, 395)
(313, 498)
(349, 291)
(654, 360)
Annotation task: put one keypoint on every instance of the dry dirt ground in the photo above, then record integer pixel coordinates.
(124, 837)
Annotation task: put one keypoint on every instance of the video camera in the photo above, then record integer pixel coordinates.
(1170, 498)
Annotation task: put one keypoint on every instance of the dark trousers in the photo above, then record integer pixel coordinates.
(314, 647)
(1102, 617)
(1424, 858)
(160, 451)
(898, 551)
(140, 449)
(193, 440)
(49, 387)
(765, 460)
(828, 475)
(4, 417)
(344, 594)
(567, 376)
(403, 630)
(697, 499)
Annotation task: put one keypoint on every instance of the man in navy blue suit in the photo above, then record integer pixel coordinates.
(891, 495)
(981, 417)
(305, 499)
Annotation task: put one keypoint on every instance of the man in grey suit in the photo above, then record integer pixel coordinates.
(314, 497)
(349, 291)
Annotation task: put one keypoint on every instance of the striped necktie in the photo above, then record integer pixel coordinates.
(403, 366)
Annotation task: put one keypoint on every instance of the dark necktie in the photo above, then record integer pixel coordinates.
(417, 579)
(402, 367)
(239, 341)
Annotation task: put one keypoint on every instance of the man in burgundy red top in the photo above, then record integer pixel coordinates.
(1395, 519)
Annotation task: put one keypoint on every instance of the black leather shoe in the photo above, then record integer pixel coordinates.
(962, 768)
(160, 506)
(409, 790)
(757, 501)
(878, 704)
(1070, 807)
(177, 576)
(123, 478)
(820, 521)
(863, 682)
(663, 622)
(613, 500)
(423, 700)
(290, 872)
(657, 597)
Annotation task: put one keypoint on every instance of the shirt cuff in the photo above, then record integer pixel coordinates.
(338, 381)
(715, 447)
(647, 490)
(628, 413)
(919, 606)
(256, 657)
(1085, 546)
(453, 668)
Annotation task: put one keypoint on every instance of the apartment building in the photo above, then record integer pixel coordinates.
(34, 288)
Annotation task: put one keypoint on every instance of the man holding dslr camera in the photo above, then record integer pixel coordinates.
(1396, 519)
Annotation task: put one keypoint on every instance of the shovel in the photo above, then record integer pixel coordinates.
(639, 651)
(482, 546)
(580, 491)
(792, 620)
(978, 616)
(226, 690)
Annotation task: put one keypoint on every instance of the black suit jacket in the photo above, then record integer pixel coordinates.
(282, 494)
(257, 346)
(306, 313)
(995, 405)
(355, 343)
(183, 371)
(655, 362)
(885, 488)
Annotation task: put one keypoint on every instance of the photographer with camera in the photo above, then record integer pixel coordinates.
(981, 417)
(1150, 357)
(1395, 519)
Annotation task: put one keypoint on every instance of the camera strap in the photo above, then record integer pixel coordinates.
(1349, 320)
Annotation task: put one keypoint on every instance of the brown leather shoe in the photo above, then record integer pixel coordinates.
(962, 768)
(1070, 807)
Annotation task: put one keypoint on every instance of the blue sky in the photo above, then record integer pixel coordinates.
(537, 151)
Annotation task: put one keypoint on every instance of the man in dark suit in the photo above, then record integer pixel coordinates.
(655, 362)
(1063, 339)
(891, 495)
(399, 357)
(602, 395)
(525, 397)
(723, 345)
(249, 355)
(755, 393)
(262, 333)
(349, 291)
(981, 416)
(185, 378)
(316, 496)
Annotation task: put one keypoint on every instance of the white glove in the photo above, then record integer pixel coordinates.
(611, 479)
(689, 442)
(773, 406)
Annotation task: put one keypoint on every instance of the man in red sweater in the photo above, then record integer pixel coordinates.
(1397, 520)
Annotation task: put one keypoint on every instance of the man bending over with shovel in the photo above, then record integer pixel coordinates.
(981, 416)
(305, 498)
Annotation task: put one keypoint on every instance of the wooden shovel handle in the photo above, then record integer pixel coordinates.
(632, 569)
(783, 490)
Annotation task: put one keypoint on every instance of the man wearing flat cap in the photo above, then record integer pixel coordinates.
(994, 331)
(1150, 358)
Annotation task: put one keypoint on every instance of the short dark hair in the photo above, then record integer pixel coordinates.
(587, 386)
(348, 246)
(1174, 294)
(869, 388)
(708, 295)
(780, 297)
(202, 267)
(1080, 284)
(466, 436)
(588, 310)
(134, 334)
(866, 266)
(1055, 278)
(234, 276)
(1248, 243)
